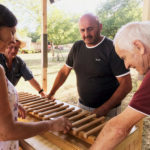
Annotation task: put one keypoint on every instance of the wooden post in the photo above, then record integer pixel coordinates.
(44, 46)
(146, 10)
(145, 17)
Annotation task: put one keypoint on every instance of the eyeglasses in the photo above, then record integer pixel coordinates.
(13, 47)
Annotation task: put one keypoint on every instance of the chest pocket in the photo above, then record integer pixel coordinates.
(97, 66)
(92, 64)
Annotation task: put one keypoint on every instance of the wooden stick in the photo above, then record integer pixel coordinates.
(83, 120)
(29, 95)
(31, 100)
(41, 106)
(58, 113)
(24, 94)
(78, 116)
(53, 110)
(72, 113)
(91, 139)
(35, 102)
(96, 129)
(47, 108)
(28, 98)
(34, 105)
(97, 120)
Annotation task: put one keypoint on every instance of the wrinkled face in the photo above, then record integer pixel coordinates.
(7, 35)
(90, 31)
(133, 59)
(12, 50)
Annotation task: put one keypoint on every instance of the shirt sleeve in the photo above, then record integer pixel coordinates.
(141, 99)
(117, 65)
(26, 73)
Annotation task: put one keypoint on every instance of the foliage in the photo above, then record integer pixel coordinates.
(27, 12)
(115, 13)
(62, 28)
(34, 35)
(26, 51)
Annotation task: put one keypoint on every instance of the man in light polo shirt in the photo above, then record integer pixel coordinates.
(102, 79)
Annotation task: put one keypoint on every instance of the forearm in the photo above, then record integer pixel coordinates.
(35, 84)
(109, 137)
(114, 100)
(21, 130)
(118, 96)
(117, 129)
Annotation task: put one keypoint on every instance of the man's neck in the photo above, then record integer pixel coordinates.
(97, 43)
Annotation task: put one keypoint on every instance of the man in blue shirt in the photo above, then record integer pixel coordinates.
(15, 67)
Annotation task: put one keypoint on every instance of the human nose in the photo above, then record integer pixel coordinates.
(86, 33)
(13, 39)
(13, 49)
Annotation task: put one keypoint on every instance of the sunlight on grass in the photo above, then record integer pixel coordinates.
(67, 93)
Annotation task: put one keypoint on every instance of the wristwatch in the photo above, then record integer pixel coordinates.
(41, 91)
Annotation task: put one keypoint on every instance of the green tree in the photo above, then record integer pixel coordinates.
(62, 28)
(34, 35)
(28, 14)
(115, 13)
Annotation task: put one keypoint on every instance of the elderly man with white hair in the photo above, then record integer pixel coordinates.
(132, 44)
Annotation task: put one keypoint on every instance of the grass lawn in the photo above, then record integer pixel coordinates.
(67, 92)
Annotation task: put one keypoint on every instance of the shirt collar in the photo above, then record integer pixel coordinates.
(96, 44)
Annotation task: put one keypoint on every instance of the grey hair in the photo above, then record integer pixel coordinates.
(130, 32)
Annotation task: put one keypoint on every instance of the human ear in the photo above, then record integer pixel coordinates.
(140, 46)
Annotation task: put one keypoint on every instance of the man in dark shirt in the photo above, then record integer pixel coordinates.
(102, 79)
(15, 67)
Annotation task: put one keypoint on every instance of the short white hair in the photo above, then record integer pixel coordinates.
(130, 32)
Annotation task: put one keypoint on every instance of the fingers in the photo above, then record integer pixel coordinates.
(96, 112)
(61, 124)
(21, 112)
(67, 129)
(67, 125)
(48, 100)
(51, 98)
(43, 94)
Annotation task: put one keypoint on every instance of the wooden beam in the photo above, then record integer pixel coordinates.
(44, 45)
(146, 10)
(145, 17)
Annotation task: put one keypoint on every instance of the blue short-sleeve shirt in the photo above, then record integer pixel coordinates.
(18, 70)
